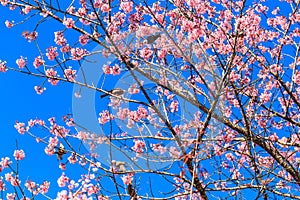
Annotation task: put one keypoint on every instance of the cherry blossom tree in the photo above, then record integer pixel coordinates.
(199, 99)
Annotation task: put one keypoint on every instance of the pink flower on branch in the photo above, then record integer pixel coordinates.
(14, 181)
(2, 185)
(19, 154)
(44, 188)
(78, 53)
(21, 128)
(126, 6)
(5, 162)
(39, 89)
(52, 74)
(38, 61)
(52, 53)
(30, 36)
(70, 74)
(127, 179)
(83, 39)
(138, 147)
(21, 62)
(68, 22)
(63, 180)
(105, 116)
(26, 9)
(105, 8)
(8, 24)
(59, 38)
(3, 66)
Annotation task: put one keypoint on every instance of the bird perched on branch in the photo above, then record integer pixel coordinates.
(151, 39)
(120, 166)
(60, 151)
(116, 91)
(131, 191)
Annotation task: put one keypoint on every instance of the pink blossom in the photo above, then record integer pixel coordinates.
(44, 187)
(39, 89)
(126, 6)
(105, 8)
(70, 74)
(82, 135)
(30, 36)
(127, 179)
(71, 10)
(123, 113)
(3, 66)
(72, 159)
(8, 24)
(19, 154)
(265, 97)
(159, 148)
(236, 175)
(174, 106)
(296, 77)
(68, 22)
(230, 157)
(139, 146)
(82, 11)
(20, 127)
(4, 2)
(273, 137)
(107, 69)
(10, 196)
(14, 181)
(174, 153)
(78, 53)
(115, 70)
(133, 89)
(49, 150)
(83, 39)
(65, 49)
(115, 102)
(77, 94)
(51, 74)
(63, 195)
(62, 180)
(59, 131)
(59, 38)
(52, 53)
(31, 186)
(26, 9)
(98, 3)
(52, 120)
(105, 116)
(44, 13)
(62, 166)
(5, 162)
(2, 185)
(142, 112)
(93, 190)
(38, 61)
(146, 53)
(21, 62)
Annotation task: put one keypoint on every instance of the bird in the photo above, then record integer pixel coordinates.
(116, 91)
(60, 151)
(119, 165)
(151, 39)
(131, 191)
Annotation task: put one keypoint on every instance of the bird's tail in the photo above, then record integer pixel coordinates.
(103, 95)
